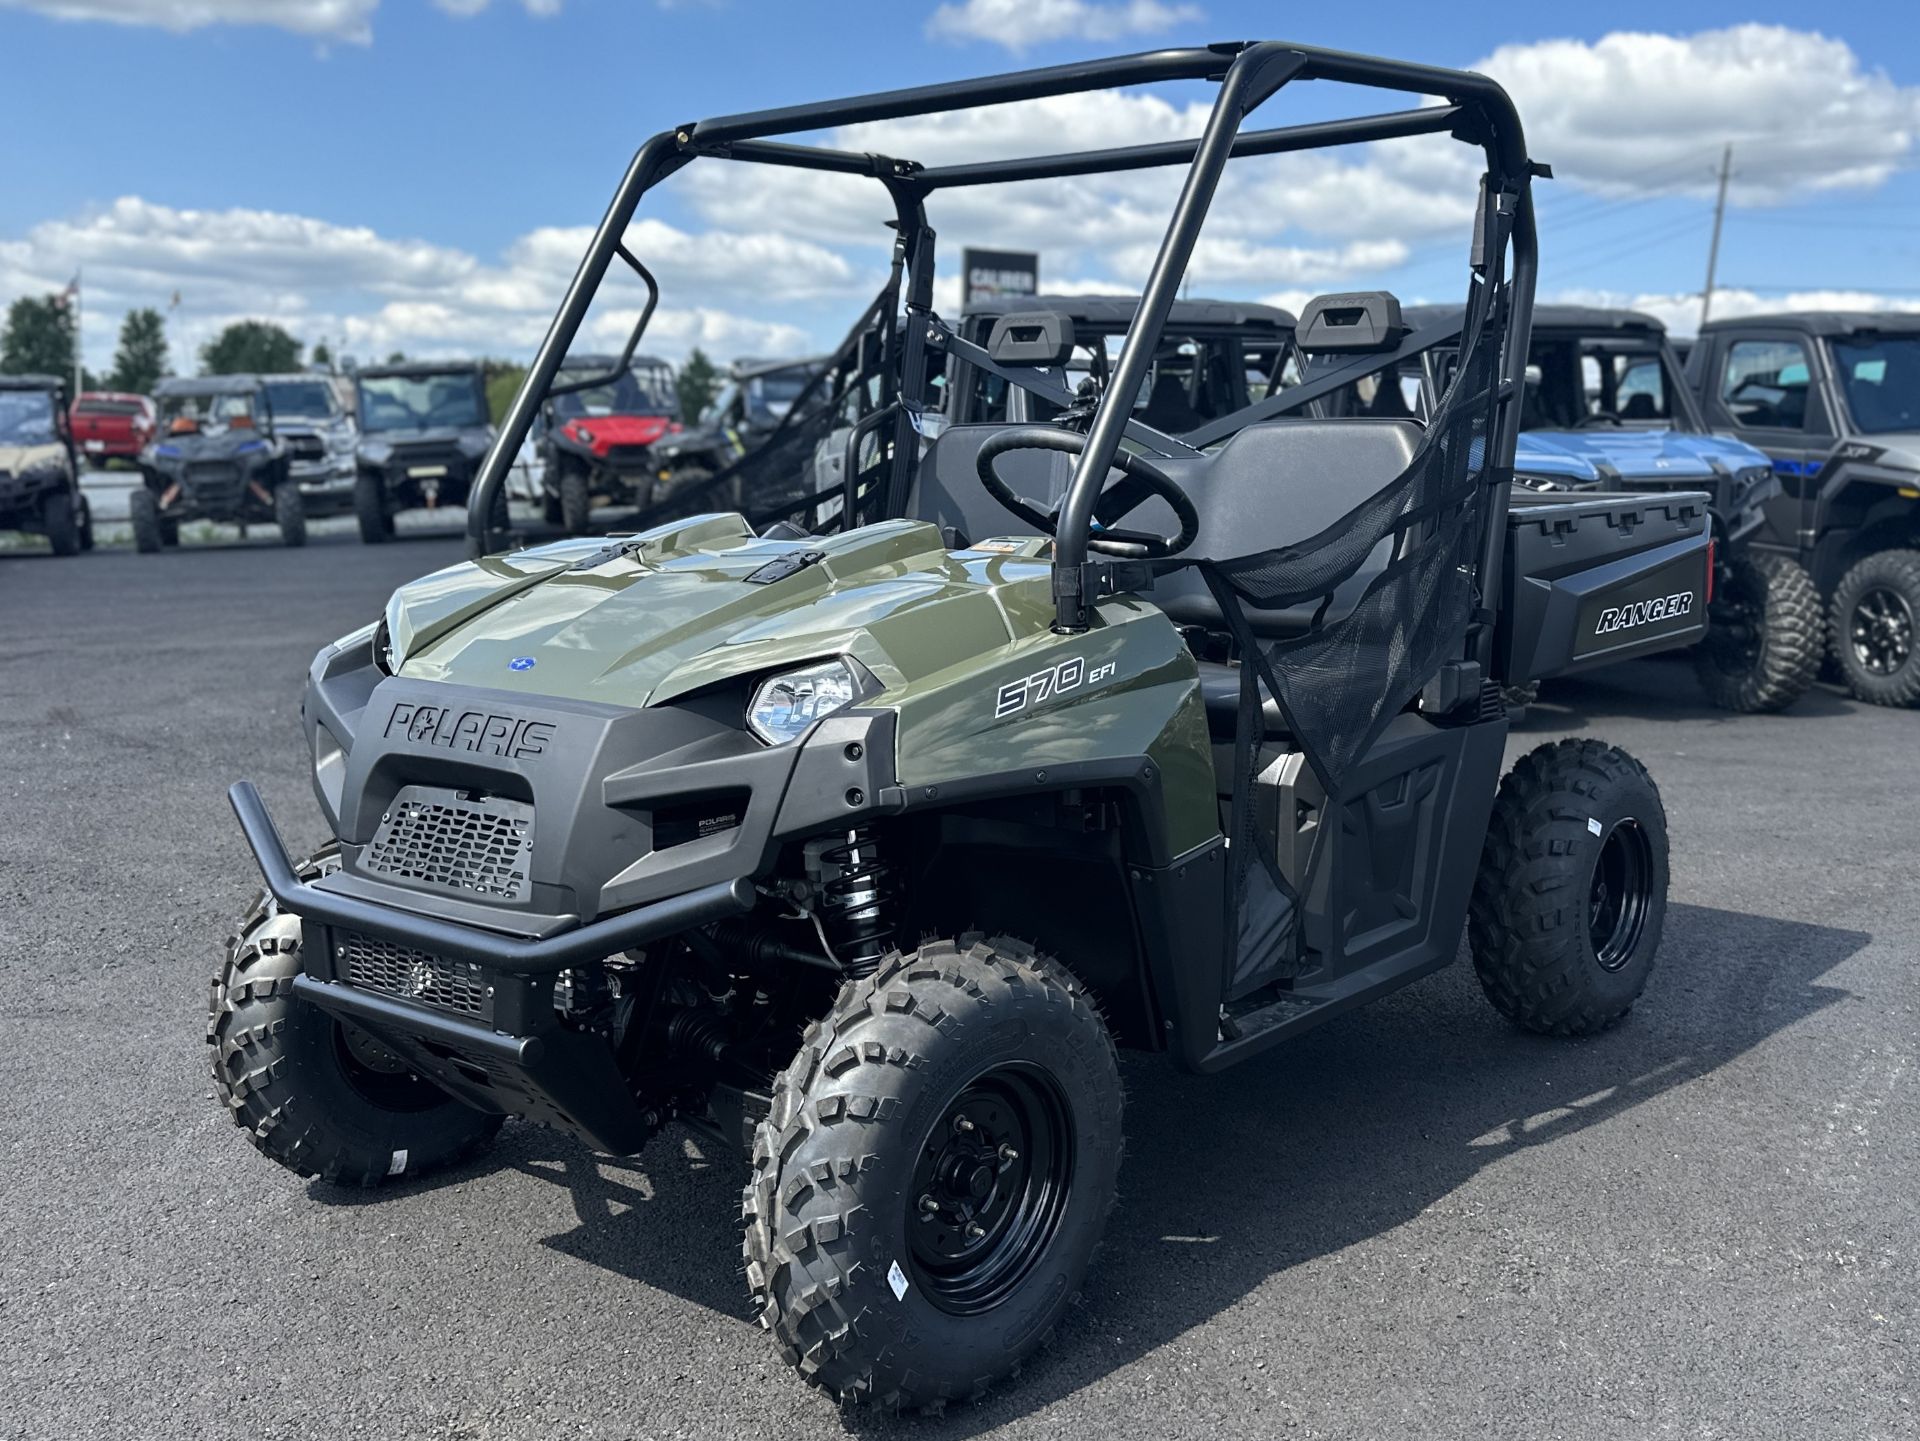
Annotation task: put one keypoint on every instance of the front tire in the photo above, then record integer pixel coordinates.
(1876, 613)
(370, 509)
(1765, 636)
(143, 514)
(934, 1174)
(59, 523)
(1571, 894)
(318, 1096)
(290, 514)
(576, 500)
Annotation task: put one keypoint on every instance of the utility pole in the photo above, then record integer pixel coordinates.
(78, 372)
(1719, 214)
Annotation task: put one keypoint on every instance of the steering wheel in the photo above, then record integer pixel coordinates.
(1609, 416)
(1144, 479)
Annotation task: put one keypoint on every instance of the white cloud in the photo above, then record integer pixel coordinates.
(1632, 113)
(1021, 24)
(466, 8)
(368, 293)
(1680, 312)
(324, 19)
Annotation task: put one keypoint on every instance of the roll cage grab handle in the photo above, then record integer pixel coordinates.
(1476, 111)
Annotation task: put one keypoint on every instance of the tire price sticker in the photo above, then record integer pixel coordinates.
(897, 1281)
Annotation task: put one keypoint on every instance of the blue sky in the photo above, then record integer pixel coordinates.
(411, 174)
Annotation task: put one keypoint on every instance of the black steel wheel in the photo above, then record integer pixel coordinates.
(990, 1188)
(1764, 635)
(320, 1097)
(1876, 609)
(934, 1174)
(1571, 895)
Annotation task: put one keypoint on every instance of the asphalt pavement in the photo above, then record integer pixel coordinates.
(1414, 1222)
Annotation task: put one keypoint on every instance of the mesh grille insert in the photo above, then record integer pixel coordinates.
(396, 970)
(456, 841)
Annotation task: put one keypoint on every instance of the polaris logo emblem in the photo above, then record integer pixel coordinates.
(1644, 612)
(475, 731)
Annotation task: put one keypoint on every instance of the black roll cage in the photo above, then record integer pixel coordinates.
(1475, 110)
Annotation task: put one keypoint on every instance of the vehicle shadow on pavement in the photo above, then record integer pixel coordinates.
(1659, 687)
(1234, 1179)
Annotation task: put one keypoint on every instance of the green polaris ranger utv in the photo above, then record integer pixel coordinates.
(861, 840)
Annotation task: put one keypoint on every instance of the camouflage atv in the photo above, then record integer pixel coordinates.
(39, 472)
(860, 847)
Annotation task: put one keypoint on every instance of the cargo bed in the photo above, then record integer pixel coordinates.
(1598, 577)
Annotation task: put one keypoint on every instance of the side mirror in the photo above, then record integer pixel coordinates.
(1534, 375)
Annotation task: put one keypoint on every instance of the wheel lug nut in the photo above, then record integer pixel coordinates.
(962, 1125)
(928, 1206)
(975, 1231)
(1008, 1155)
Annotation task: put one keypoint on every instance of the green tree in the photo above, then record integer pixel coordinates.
(398, 357)
(699, 379)
(38, 338)
(503, 383)
(322, 354)
(142, 357)
(249, 345)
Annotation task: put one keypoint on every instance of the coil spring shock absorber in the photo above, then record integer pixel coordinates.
(857, 893)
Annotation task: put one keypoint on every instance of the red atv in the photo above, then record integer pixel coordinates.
(597, 440)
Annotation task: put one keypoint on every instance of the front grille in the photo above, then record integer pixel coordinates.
(395, 970)
(630, 457)
(431, 454)
(307, 447)
(455, 841)
(213, 482)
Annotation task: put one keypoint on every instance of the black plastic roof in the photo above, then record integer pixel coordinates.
(1823, 322)
(1587, 319)
(1099, 311)
(419, 367)
(607, 362)
(207, 385)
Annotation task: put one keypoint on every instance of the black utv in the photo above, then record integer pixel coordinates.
(597, 436)
(39, 468)
(1834, 398)
(424, 429)
(1606, 408)
(217, 457)
(758, 396)
(860, 840)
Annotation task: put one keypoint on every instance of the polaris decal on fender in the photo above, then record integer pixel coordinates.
(1070, 674)
(470, 730)
(1643, 612)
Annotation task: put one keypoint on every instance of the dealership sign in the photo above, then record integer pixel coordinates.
(996, 274)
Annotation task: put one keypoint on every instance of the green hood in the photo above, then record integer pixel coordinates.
(681, 607)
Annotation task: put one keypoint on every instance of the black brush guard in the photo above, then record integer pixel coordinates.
(526, 1061)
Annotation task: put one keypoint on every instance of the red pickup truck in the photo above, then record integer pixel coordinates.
(109, 423)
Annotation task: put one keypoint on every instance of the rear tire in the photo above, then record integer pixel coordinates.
(576, 500)
(1571, 893)
(313, 1094)
(550, 510)
(86, 524)
(1765, 636)
(1876, 627)
(370, 509)
(143, 513)
(934, 1174)
(290, 513)
(58, 523)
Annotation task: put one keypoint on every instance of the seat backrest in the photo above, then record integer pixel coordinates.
(1273, 485)
(947, 491)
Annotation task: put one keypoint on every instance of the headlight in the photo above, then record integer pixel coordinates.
(786, 704)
